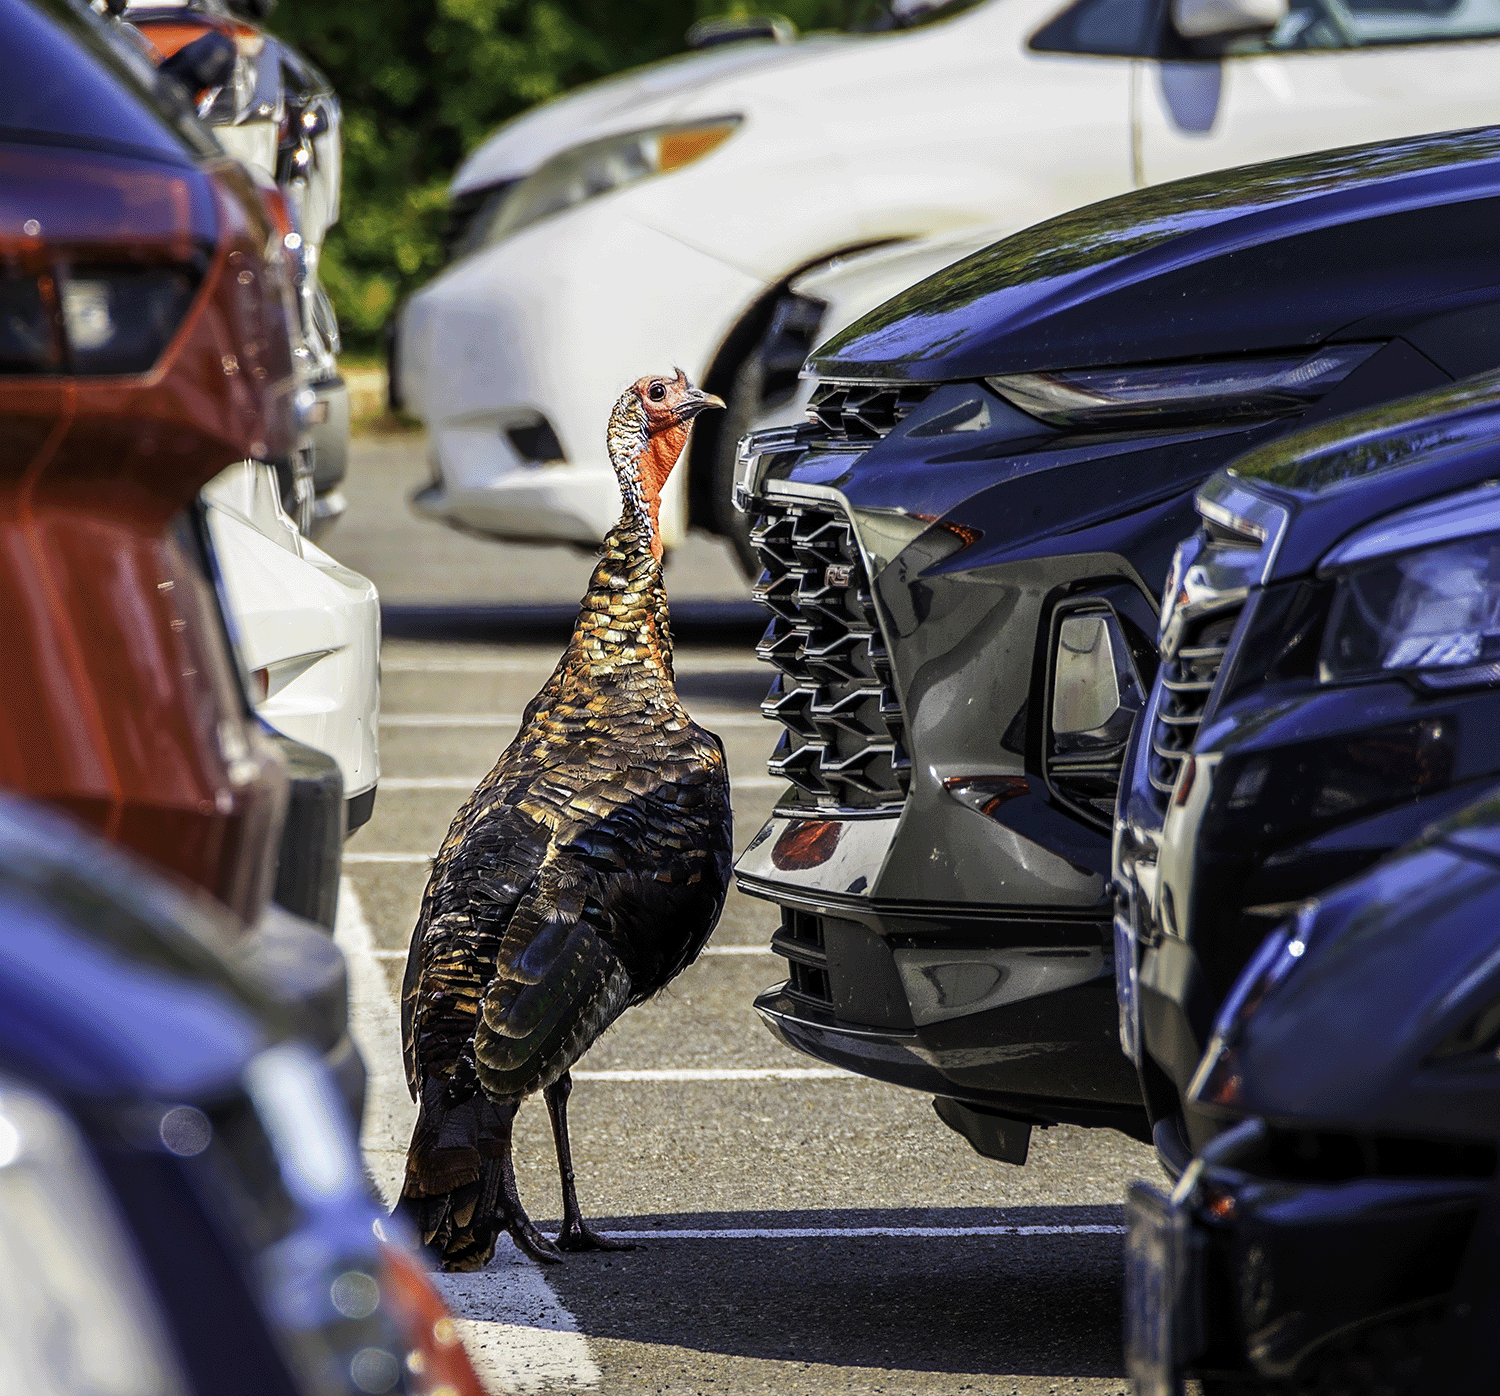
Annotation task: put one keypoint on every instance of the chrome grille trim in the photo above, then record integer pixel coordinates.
(1188, 675)
(843, 743)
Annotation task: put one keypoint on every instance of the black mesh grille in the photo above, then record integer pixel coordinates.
(1187, 677)
(844, 740)
(858, 413)
(800, 940)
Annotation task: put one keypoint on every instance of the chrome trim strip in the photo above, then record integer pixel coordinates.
(1225, 501)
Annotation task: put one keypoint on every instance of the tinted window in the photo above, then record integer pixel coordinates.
(1343, 24)
(1117, 28)
(66, 77)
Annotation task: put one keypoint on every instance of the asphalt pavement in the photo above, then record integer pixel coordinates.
(799, 1230)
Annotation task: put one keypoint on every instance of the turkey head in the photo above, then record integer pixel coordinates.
(647, 432)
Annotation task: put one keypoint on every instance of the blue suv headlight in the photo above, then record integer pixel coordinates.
(1419, 596)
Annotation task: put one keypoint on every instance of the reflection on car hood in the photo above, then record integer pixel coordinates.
(626, 102)
(1354, 449)
(1210, 264)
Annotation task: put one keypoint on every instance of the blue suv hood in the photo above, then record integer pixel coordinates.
(113, 981)
(1339, 476)
(1266, 256)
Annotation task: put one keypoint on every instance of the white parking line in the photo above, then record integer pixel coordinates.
(517, 1333)
(712, 719)
(358, 858)
(710, 950)
(469, 782)
(849, 1233)
(723, 1073)
(544, 664)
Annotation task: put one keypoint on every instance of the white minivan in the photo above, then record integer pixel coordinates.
(659, 218)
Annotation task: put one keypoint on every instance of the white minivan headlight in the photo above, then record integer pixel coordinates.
(602, 166)
(76, 1316)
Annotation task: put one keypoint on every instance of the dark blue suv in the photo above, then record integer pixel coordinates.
(963, 553)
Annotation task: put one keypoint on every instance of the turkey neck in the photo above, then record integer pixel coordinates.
(621, 641)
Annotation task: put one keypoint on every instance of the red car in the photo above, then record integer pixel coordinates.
(145, 345)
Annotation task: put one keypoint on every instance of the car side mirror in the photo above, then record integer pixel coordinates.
(1223, 19)
(732, 29)
(207, 62)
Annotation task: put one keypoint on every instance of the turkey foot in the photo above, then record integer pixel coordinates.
(576, 1234)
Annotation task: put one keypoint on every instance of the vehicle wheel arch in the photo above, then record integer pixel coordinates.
(708, 506)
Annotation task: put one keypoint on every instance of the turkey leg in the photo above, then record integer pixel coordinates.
(575, 1235)
(512, 1215)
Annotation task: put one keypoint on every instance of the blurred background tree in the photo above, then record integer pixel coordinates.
(423, 82)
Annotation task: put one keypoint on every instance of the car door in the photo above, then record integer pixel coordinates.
(1332, 73)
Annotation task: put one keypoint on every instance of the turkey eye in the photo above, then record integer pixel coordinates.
(656, 392)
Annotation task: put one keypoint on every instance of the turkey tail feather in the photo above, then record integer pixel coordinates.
(454, 1176)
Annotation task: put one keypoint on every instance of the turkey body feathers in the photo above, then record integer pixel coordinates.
(584, 873)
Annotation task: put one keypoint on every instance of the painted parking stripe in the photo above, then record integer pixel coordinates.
(469, 782)
(362, 858)
(358, 859)
(739, 719)
(710, 950)
(516, 1330)
(722, 1073)
(701, 663)
(851, 1233)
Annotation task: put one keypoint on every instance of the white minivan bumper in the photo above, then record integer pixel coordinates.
(308, 629)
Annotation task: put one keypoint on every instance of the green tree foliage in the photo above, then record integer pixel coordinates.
(423, 82)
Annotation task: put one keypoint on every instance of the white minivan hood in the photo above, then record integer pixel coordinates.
(626, 102)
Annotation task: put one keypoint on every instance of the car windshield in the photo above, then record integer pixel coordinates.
(1342, 24)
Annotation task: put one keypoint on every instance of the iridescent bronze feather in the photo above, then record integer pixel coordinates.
(584, 873)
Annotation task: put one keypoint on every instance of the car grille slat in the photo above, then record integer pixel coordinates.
(857, 414)
(843, 739)
(1188, 675)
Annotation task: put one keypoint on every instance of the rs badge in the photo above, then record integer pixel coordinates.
(838, 574)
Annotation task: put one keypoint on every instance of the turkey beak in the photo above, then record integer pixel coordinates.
(695, 402)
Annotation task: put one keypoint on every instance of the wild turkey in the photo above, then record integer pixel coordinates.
(586, 871)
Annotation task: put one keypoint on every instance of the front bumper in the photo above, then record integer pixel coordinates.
(551, 325)
(313, 627)
(1320, 786)
(1237, 1275)
(993, 1005)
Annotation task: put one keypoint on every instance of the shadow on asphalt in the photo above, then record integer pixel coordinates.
(729, 623)
(1017, 1305)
